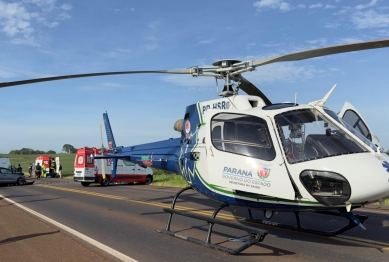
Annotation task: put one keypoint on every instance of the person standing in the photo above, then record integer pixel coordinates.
(30, 169)
(52, 168)
(60, 171)
(44, 170)
(38, 171)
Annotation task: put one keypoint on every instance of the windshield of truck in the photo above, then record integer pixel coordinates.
(306, 134)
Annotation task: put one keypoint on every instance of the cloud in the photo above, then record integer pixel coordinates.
(319, 5)
(273, 4)
(6, 74)
(53, 24)
(154, 24)
(319, 41)
(329, 6)
(372, 3)
(151, 47)
(104, 86)
(15, 19)
(332, 25)
(249, 46)
(284, 73)
(192, 83)
(369, 19)
(285, 6)
(66, 7)
(25, 41)
(19, 20)
(349, 40)
(383, 32)
(205, 42)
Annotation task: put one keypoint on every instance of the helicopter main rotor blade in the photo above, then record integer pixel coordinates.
(323, 52)
(54, 78)
(251, 89)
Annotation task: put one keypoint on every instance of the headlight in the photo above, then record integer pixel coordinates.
(328, 188)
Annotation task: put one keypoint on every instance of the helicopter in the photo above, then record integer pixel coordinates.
(245, 151)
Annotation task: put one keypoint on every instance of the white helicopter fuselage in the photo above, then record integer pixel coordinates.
(244, 154)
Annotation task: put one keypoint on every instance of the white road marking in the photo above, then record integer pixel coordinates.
(89, 240)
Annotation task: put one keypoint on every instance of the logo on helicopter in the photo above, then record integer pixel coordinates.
(386, 165)
(263, 172)
(187, 128)
(147, 161)
(237, 172)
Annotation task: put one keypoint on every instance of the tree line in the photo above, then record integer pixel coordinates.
(67, 148)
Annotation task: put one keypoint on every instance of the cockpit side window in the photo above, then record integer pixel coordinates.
(243, 135)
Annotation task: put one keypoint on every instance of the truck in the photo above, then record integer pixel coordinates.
(46, 161)
(88, 170)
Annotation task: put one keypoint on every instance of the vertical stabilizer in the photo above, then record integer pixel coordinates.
(108, 131)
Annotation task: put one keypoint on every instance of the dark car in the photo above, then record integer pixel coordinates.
(7, 177)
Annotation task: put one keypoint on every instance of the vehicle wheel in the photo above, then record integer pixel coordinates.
(20, 181)
(85, 183)
(105, 182)
(148, 180)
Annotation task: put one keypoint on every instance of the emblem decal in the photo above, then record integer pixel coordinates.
(187, 128)
(147, 161)
(263, 172)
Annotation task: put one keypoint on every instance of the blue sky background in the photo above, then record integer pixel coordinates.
(40, 38)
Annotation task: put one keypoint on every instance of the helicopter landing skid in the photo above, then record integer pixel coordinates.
(255, 235)
(354, 220)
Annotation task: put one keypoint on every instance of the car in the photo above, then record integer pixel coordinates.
(7, 177)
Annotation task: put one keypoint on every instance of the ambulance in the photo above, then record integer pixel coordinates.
(4, 162)
(88, 170)
(46, 161)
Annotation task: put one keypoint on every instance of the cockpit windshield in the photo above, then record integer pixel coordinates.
(306, 134)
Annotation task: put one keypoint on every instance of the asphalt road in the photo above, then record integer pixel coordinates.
(126, 219)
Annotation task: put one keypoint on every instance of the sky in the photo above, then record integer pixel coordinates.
(41, 38)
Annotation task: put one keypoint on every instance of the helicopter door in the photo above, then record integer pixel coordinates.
(242, 157)
(351, 115)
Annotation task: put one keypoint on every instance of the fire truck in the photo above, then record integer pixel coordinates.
(88, 170)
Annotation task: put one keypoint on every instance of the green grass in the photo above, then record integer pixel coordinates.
(161, 178)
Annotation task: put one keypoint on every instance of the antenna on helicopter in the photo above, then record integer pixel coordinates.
(322, 101)
(295, 98)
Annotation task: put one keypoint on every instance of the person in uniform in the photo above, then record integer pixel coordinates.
(44, 171)
(38, 171)
(52, 168)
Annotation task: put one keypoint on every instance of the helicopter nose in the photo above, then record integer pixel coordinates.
(372, 183)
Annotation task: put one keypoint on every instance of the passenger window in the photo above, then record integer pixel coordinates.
(128, 163)
(243, 135)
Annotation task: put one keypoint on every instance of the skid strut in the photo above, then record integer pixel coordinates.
(255, 235)
(354, 220)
